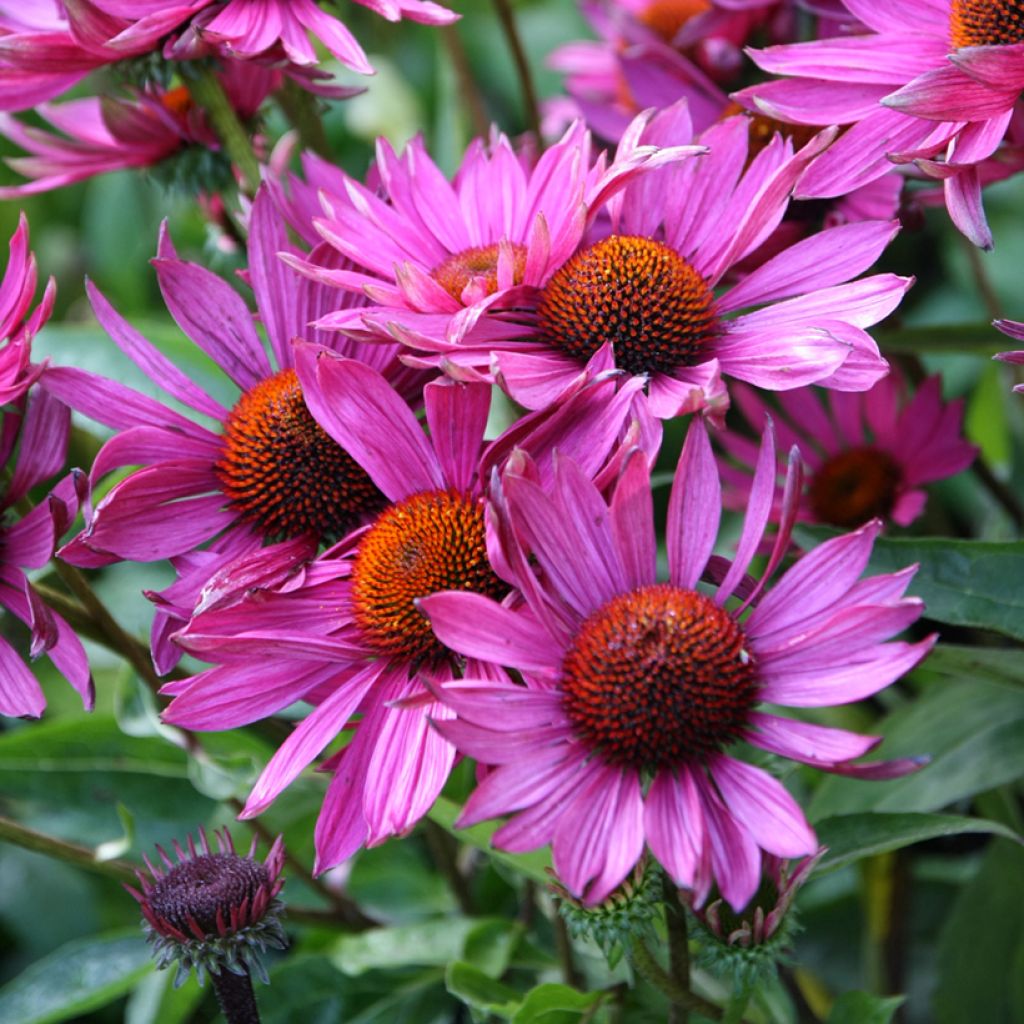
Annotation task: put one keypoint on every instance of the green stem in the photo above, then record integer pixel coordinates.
(38, 842)
(678, 946)
(647, 966)
(443, 850)
(515, 45)
(208, 92)
(236, 997)
(303, 113)
(563, 947)
(469, 94)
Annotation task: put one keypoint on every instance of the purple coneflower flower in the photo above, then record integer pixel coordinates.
(867, 454)
(638, 689)
(933, 82)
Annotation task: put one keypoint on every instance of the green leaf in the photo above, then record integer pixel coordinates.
(554, 1004)
(479, 991)
(533, 865)
(490, 945)
(977, 338)
(155, 1000)
(852, 836)
(394, 883)
(982, 943)
(68, 776)
(424, 944)
(864, 1008)
(963, 582)
(974, 732)
(986, 422)
(79, 977)
(999, 664)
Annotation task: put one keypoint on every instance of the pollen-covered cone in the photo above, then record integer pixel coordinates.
(638, 689)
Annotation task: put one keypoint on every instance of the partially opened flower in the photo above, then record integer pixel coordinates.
(213, 910)
(639, 690)
(264, 470)
(1014, 329)
(867, 455)
(656, 301)
(934, 83)
(345, 636)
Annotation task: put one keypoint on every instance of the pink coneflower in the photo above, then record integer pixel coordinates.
(110, 133)
(33, 447)
(1014, 329)
(867, 455)
(434, 255)
(264, 470)
(653, 298)
(347, 636)
(934, 83)
(637, 689)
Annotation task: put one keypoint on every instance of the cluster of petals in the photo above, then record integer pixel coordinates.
(305, 640)
(919, 85)
(866, 454)
(816, 638)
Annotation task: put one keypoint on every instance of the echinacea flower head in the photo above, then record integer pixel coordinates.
(346, 635)
(1014, 329)
(211, 909)
(638, 690)
(933, 83)
(867, 454)
(435, 255)
(649, 291)
(263, 471)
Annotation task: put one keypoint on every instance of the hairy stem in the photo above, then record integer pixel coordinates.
(443, 849)
(208, 92)
(303, 113)
(647, 966)
(515, 45)
(236, 998)
(678, 946)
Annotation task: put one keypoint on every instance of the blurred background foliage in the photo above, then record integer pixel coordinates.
(940, 922)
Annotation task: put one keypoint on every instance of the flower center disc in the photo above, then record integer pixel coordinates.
(986, 22)
(657, 677)
(667, 17)
(200, 887)
(284, 473)
(855, 486)
(430, 542)
(479, 267)
(636, 293)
